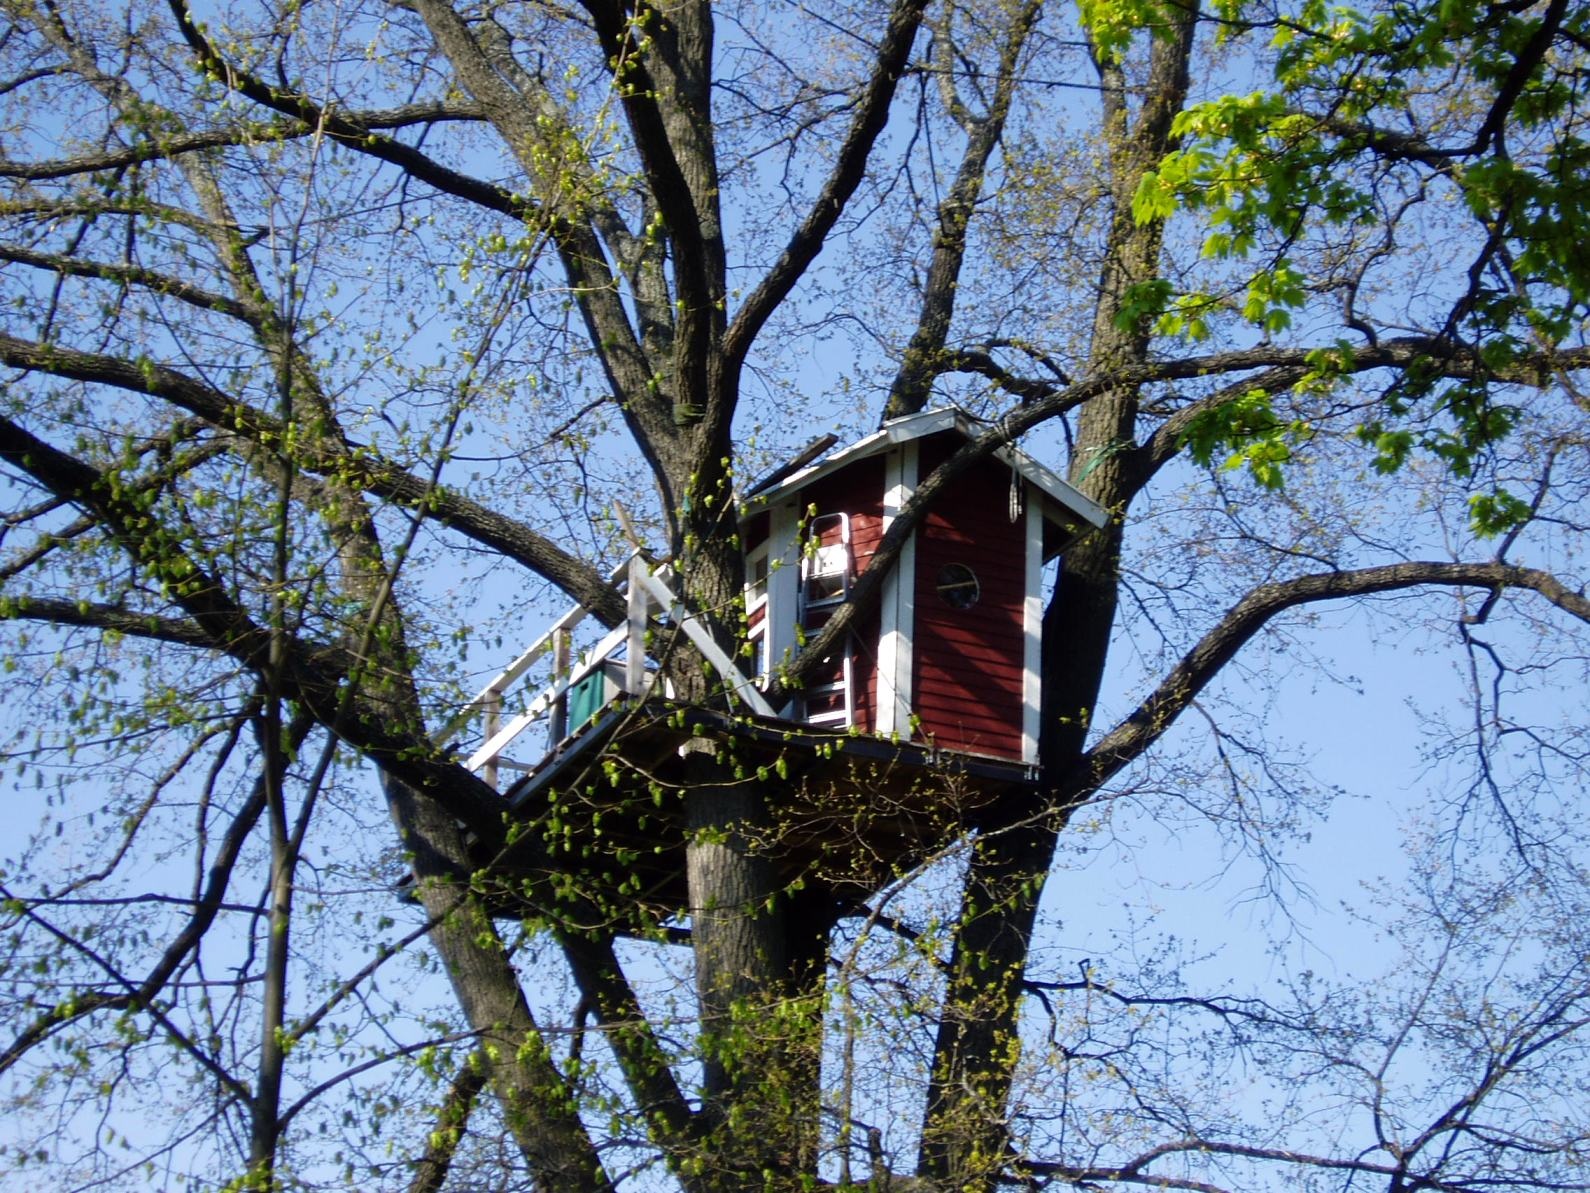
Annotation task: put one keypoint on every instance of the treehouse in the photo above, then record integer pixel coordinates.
(927, 709)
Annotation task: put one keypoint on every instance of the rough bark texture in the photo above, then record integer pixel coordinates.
(738, 937)
(965, 1137)
(535, 1100)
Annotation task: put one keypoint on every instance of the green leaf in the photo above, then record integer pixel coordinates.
(1497, 512)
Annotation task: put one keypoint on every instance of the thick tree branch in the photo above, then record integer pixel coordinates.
(920, 364)
(360, 465)
(345, 128)
(452, 1117)
(670, 127)
(258, 133)
(640, 257)
(111, 618)
(128, 275)
(980, 362)
(1165, 444)
(1439, 355)
(175, 464)
(872, 114)
(91, 205)
(1128, 741)
(629, 1034)
(403, 751)
(538, 134)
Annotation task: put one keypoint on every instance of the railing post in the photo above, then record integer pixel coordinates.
(558, 715)
(493, 719)
(638, 604)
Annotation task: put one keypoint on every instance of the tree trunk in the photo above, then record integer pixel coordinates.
(536, 1102)
(761, 1022)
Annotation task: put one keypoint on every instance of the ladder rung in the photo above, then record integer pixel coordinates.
(822, 718)
(825, 587)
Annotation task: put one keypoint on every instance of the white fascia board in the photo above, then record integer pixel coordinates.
(1064, 494)
(897, 613)
(901, 430)
(1032, 639)
(917, 426)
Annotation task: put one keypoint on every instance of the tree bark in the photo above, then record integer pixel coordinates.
(431, 1169)
(537, 1104)
(761, 1023)
(966, 1122)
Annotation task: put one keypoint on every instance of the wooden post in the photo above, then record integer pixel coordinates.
(558, 715)
(493, 707)
(639, 603)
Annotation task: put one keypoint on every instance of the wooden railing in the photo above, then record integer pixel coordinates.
(649, 603)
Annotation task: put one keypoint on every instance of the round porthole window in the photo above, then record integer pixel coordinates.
(958, 586)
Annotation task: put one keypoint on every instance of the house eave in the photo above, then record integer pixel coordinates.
(917, 426)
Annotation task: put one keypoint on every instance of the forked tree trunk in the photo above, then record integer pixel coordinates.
(966, 1123)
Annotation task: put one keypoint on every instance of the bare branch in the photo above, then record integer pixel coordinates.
(257, 133)
(112, 618)
(872, 114)
(140, 996)
(128, 275)
(1148, 722)
(404, 751)
(345, 128)
(441, 1142)
(920, 364)
(365, 468)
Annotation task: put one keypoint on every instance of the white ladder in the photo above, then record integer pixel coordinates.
(826, 572)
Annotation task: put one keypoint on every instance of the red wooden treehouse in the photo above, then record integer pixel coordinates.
(928, 708)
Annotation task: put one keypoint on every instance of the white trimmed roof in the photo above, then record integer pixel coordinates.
(917, 426)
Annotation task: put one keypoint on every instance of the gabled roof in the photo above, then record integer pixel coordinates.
(918, 426)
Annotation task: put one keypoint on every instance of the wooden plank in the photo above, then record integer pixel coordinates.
(741, 687)
(505, 678)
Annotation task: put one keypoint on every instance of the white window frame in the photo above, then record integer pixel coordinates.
(760, 635)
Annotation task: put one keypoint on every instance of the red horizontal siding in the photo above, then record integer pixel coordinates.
(857, 491)
(968, 663)
(991, 635)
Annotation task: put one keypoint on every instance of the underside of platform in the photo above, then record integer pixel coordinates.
(602, 817)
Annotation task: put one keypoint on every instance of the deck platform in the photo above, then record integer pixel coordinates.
(593, 773)
(848, 811)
